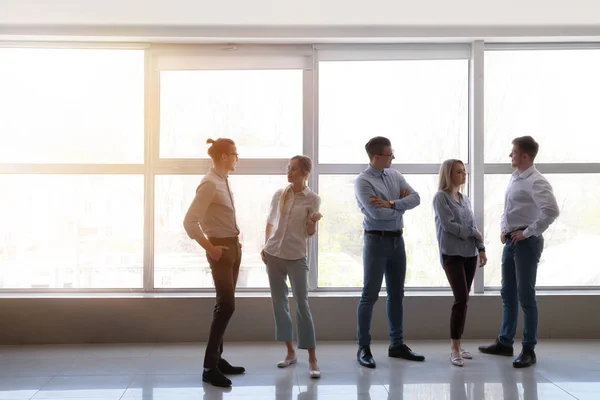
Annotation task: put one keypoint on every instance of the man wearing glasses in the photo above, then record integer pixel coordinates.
(383, 195)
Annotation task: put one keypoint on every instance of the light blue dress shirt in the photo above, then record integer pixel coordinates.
(387, 185)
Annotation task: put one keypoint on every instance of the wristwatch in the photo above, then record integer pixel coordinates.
(391, 203)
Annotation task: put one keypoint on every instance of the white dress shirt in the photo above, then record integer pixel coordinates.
(290, 233)
(529, 202)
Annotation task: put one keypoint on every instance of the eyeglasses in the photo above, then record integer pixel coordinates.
(233, 154)
(388, 155)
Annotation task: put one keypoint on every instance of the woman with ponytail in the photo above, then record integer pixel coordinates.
(292, 219)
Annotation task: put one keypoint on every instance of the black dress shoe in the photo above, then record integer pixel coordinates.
(215, 378)
(525, 359)
(229, 369)
(498, 349)
(364, 357)
(403, 351)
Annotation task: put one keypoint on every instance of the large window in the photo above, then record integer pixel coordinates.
(422, 107)
(102, 149)
(178, 261)
(71, 231)
(562, 263)
(341, 235)
(261, 109)
(551, 95)
(71, 168)
(71, 106)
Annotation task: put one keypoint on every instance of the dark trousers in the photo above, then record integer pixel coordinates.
(460, 272)
(225, 274)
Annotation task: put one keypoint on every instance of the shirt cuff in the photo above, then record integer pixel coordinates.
(527, 233)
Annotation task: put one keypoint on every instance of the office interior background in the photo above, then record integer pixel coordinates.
(105, 108)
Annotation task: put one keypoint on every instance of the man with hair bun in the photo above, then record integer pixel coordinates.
(211, 222)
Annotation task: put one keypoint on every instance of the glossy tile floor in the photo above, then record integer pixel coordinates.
(565, 370)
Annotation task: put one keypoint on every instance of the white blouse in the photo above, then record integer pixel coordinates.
(289, 236)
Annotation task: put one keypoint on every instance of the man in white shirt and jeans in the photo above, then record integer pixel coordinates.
(530, 207)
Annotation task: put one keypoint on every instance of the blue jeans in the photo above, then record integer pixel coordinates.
(519, 272)
(382, 255)
(297, 270)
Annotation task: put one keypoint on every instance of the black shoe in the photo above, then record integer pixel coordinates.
(215, 378)
(525, 359)
(498, 349)
(228, 369)
(403, 351)
(364, 357)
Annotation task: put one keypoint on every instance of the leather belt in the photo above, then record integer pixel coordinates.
(385, 233)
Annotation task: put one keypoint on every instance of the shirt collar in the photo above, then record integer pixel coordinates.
(376, 172)
(525, 174)
(219, 174)
(304, 192)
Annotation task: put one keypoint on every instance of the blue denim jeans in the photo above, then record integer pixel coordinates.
(519, 272)
(382, 256)
(297, 270)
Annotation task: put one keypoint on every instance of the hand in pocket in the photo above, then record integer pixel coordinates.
(216, 253)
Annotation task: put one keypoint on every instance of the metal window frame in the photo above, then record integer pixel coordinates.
(382, 52)
(78, 168)
(307, 58)
(222, 57)
(476, 144)
(545, 168)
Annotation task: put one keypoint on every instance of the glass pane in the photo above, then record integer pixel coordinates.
(260, 110)
(421, 106)
(179, 262)
(71, 106)
(565, 260)
(551, 95)
(341, 235)
(71, 231)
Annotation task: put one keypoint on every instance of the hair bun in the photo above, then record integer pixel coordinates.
(209, 141)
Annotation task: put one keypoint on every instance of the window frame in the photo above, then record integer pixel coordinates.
(160, 57)
(383, 52)
(81, 168)
(544, 168)
(217, 57)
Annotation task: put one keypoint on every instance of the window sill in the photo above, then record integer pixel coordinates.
(315, 294)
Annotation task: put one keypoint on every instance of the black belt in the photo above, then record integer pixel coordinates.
(221, 241)
(385, 233)
(508, 235)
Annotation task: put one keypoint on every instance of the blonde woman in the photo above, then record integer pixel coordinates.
(293, 218)
(460, 243)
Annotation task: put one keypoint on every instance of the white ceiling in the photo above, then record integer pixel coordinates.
(300, 12)
(299, 20)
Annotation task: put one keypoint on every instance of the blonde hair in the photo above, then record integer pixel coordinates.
(445, 182)
(305, 167)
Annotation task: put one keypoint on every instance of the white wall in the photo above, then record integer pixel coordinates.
(304, 12)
